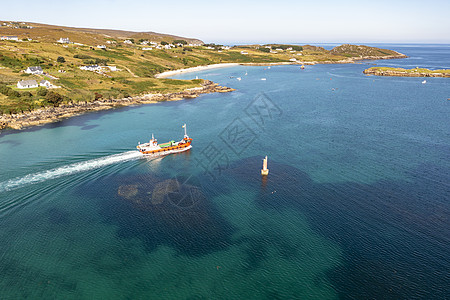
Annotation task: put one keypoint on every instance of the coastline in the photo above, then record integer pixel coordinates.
(349, 60)
(53, 114)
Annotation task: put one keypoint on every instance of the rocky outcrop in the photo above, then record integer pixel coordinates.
(53, 114)
(398, 72)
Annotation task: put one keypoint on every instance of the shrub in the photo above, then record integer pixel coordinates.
(4, 89)
(41, 91)
(13, 94)
(97, 96)
(60, 59)
(180, 42)
(27, 94)
(53, 98)
(82, 56)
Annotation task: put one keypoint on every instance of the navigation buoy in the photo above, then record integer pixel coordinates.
(264, 170)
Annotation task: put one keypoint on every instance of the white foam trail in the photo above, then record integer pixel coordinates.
(67, 170)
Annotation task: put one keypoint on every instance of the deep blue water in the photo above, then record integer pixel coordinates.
(356, 205)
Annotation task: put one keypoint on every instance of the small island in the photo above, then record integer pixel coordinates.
(400, 72)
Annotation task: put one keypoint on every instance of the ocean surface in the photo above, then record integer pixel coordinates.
(356, 204)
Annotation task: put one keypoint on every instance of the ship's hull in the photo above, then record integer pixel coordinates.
(166, 150)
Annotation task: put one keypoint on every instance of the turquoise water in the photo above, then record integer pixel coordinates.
(356, 204)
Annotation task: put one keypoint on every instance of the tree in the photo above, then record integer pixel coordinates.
(53, 98)
(164, 43)
(60, 59)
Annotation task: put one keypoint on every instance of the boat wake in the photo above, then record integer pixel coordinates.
(67, 170)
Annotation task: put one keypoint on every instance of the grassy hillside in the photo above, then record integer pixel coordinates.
(51, 33)
(136, 66)
(360, 50)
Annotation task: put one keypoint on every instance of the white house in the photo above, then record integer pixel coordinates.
(244, 52)
(27, 84)
(9, 38)
(293, 59)
(167, 46)
(45, 83)
(91, 68)
(112, 68)
(34, 70)
(101, 47)
(128, 42)
(64, 41)
(147, 48)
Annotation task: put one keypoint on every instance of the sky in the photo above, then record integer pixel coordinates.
(234, 22)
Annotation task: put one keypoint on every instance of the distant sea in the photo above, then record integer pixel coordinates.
(356, 204)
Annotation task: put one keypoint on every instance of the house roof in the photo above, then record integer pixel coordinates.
(33, 69)
(27, 82)
(43, 81)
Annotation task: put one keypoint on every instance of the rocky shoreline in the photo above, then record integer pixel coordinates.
(53, 114)
(406, 73)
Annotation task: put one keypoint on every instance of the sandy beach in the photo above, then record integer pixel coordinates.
(195, 69)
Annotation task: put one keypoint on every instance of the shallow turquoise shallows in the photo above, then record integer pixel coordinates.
(356, 204)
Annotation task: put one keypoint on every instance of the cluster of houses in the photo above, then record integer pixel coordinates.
(13, 38)
(94, 68)
(64, 41)
(9, 38)
(15, 25)
(150, 45)
(29, 84)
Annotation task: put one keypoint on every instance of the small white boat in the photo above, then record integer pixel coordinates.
(263, 79)
(239, 78)
(423, 82)
(268, 68)
(246, 73)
